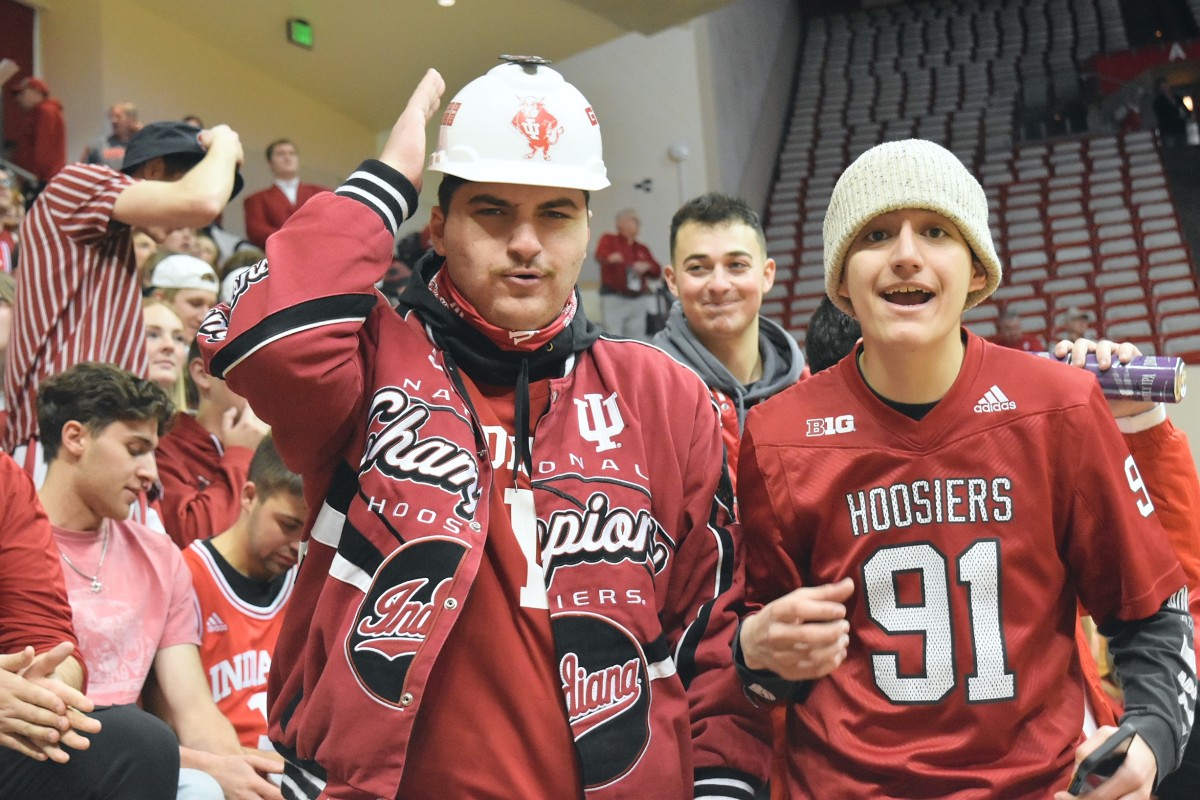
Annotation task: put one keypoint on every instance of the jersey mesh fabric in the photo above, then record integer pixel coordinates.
(238, 638)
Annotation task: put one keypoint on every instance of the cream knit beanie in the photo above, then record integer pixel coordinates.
(910, 174)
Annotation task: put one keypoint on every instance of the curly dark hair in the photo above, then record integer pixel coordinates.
(97, 395)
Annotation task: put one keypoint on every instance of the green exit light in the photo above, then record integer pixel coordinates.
(299, 32)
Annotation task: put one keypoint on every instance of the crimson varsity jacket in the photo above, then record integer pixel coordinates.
(631, 497)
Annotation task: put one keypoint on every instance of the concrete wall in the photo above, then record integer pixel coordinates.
(645, 92)
(749, 65)
(1186, 415)
(97, 52)
(696, 108)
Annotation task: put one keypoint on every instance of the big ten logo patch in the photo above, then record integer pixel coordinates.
(829, 426)
(606, 686)
(410, 591)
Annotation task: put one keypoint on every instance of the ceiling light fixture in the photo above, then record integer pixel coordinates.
(446, 3)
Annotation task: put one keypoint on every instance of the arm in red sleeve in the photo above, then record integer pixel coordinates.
(296, 327)
(34, 610)
(200, 508)
(655, 268)
(50, 145)
(1165, 461)
(703, 605)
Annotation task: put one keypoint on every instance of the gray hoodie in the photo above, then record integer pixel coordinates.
(781, 357)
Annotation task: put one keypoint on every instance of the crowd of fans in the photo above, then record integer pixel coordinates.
(141, 660)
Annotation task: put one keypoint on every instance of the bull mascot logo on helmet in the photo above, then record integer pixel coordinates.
(539, 127)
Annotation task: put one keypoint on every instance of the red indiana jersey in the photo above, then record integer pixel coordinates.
(238, 640)
(969, 535)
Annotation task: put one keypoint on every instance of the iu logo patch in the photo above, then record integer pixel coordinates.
(600, 420)
(539, 127)
(607, 692)
(408, 593)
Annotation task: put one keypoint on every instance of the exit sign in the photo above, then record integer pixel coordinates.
(299, 32)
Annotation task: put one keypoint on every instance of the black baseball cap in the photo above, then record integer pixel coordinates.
(160, 139)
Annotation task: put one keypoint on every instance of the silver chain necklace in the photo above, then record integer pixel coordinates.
(95, 579)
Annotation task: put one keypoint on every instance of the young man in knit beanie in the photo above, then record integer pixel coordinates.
(908, 491)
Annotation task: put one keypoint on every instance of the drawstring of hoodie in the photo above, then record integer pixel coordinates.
(524, 456)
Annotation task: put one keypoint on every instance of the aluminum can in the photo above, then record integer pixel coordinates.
(1159, 379)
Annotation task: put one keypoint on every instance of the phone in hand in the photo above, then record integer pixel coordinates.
(1102, 762)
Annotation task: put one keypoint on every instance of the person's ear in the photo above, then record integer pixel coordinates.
(249, 495)
(198, 374)
(980, 278)
(153, 170)
(437, 230)
(669, 277)
(768, 275)
(842, 290)
(75, 438)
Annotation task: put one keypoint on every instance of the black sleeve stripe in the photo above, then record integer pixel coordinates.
(383, 190)
(302, 780)
(294, 319)
(358, 550)
(725, 783)
(658, 650)
(285, 719)
(343, 488)
(685, 657)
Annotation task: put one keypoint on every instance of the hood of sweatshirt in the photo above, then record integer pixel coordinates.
(782, 360)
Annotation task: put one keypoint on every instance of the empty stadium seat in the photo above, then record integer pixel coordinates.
(1085, 221)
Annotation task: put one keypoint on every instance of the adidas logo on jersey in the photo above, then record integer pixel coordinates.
(994, 400)
(214, 624)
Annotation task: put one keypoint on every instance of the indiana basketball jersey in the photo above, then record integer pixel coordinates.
(238, 638)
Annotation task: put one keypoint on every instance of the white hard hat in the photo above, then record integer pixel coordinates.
(521, 123)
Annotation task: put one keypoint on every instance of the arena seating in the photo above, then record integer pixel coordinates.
(1081, 220)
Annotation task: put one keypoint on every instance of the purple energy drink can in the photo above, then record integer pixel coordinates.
(1158, 379)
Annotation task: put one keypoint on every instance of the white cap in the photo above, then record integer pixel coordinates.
(181, 271)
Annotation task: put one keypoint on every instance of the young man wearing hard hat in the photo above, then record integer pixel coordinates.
(520, 577)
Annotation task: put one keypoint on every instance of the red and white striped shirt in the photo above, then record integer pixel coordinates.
(78, 297)
(8, 251)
